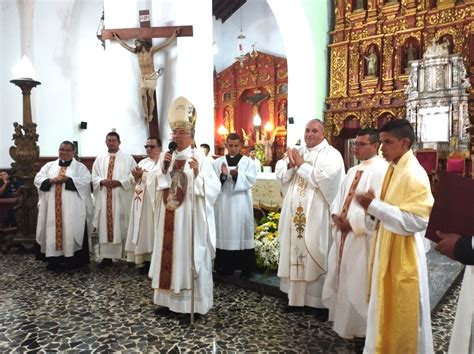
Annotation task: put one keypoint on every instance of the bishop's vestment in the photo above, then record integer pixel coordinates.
(176, 223)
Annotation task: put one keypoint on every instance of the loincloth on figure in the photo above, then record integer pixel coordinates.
(148, 81)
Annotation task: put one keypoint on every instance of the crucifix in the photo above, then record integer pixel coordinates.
(145, 52)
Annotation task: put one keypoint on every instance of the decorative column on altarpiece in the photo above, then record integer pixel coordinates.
(232, 112)
(271, 103)
(387, 64)
(354, 68)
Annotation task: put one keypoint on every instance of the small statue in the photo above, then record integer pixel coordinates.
(371, 62)
(246, 137)
(18, 131)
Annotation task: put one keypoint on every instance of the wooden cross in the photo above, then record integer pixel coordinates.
(147, 33)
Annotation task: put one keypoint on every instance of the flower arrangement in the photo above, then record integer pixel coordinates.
(267, 246)
(260, 153)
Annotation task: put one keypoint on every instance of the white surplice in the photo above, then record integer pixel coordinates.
(206, 189)
(141, 234)
(76, 209)
(345, 288)
(234, 209)
(304, 227)
(121, 201)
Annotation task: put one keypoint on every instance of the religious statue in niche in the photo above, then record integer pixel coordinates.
(371, 62)
(282, 112)
(226, 119)
(436, 49)
(411, 54)
(446, 44)
(148, 76)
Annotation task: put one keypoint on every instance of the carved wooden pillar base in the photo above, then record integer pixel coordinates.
(25, 152)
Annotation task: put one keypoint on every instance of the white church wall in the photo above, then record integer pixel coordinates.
(303, 33)
(259, 27)
(10, 95)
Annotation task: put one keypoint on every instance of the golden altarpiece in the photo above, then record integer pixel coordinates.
(251, 99)
(373, 44)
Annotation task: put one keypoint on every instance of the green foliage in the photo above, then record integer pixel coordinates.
(260, 153)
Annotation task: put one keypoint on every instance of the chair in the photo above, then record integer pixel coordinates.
(428, 159)
(456, 164)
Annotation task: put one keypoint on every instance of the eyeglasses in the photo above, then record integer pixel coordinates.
(180, 132)
(150, 146)
(359, 144)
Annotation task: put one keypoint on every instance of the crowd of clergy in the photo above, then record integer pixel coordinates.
(352, 243)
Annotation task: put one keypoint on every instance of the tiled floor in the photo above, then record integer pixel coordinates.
(111, 310)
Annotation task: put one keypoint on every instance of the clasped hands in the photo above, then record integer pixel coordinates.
(341, 223)
(225, 170)
(110, 183)
(58, 179)
(137, 172)
(294, 157)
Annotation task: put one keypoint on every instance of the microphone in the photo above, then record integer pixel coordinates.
(171, 148)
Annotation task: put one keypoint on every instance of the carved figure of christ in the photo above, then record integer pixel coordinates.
(145, 52)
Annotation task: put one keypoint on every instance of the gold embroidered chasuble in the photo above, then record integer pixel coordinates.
(304, 228)
(397, 274)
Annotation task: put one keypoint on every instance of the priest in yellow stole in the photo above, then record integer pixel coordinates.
(399, 311)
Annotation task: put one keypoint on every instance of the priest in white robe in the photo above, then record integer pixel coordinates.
(185, 237)
(141, 234)
(312, 177)
(113, 197)
(461, 248)
(345, 288)
(64, 210)
(234, 211)
(398, 316)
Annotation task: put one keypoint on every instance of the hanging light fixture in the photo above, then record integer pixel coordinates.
(100, 28)
(240, 41)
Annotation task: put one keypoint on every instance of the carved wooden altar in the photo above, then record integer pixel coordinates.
(256, 84)
(373, 43)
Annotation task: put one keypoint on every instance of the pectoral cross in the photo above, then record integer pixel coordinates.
(145, 32)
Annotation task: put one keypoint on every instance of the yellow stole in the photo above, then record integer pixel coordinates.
(397, 286)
